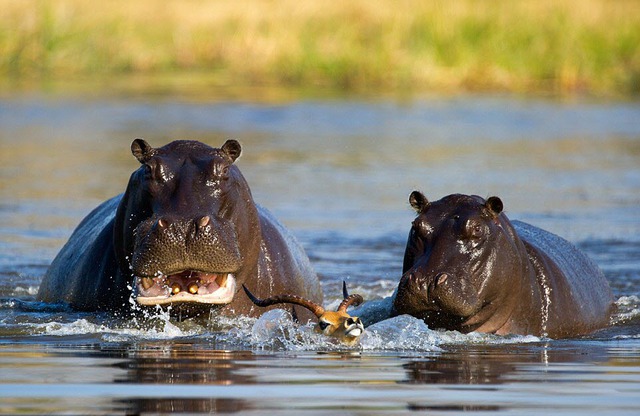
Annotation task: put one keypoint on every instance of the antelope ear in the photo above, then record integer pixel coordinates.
(494, 204)
(142, 150)
(232, 148)
(418, 201)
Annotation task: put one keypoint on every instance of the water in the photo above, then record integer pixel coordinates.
(338, 173)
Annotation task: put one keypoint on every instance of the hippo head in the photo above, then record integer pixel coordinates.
(186, 230)
(459, 258)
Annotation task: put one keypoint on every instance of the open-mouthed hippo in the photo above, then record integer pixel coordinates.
(186, 233)
(468, 268)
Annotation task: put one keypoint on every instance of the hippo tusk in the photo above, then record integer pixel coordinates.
(147, 282)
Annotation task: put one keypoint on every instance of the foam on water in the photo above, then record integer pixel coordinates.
(628, 310)
(275, 330)
(22, 291)
(408, 333)
(154, 329)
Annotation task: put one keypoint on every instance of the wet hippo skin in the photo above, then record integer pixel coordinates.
(187, 234)
(468, 268)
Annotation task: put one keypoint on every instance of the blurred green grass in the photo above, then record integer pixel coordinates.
(556, 46)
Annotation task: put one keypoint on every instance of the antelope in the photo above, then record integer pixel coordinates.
(338, 324)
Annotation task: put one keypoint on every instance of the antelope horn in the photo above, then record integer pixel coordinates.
(297, 300)
(348, 301)
(345, 292)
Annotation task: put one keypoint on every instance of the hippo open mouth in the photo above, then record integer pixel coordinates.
(188, 286)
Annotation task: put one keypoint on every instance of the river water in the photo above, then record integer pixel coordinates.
(338, 173)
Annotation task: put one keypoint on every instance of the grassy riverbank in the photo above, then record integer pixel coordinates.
(558, 46)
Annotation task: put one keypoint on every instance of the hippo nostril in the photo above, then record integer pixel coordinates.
(441, 278)
(204, 221)
(163, 223)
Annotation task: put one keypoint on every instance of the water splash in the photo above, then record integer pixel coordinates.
(276, 329)
(628, 310)
(156, 328)
(401, 333)
(406, 333)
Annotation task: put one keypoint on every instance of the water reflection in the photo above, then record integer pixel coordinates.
(183, 364)
(161, 405)
(495, 365)
(191, 376)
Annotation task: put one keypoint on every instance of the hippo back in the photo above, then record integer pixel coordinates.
(586, 281)
(73, 279)
(299, 275)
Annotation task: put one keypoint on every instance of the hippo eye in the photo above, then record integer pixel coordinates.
(163, 173)
(217, 172)
(323, 325)
(151, 171)
(157, 171)
(474, 230)
(421, 227)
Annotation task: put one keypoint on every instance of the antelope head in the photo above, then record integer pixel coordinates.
(338, 324)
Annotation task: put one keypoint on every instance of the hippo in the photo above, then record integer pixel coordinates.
(467, 267)
(184, 236)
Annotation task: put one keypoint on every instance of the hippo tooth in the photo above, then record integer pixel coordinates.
(147, 282)
(222, 279)
(175, 288)
(204, 221)
(193, 288)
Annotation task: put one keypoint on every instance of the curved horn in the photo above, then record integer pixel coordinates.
(351, 300)
(297, 300)
(345, 292)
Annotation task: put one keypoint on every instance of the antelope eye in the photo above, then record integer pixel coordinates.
(323, 325)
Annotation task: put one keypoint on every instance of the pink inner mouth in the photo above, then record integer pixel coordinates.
(186, 286)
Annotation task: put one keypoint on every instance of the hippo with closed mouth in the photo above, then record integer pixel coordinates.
(467, 267)
(186, 233)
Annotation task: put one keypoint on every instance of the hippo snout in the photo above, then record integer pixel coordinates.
(168, 245)
(436, 296)
(413, 294)
(191, 228)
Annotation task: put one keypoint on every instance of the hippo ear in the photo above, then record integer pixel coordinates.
(142, 150)
(418, 201)
(494, 204)
(232, 148)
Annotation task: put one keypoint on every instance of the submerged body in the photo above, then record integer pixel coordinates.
(468, 268)
(185, 233)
